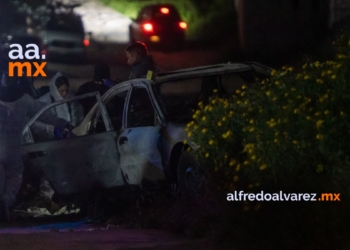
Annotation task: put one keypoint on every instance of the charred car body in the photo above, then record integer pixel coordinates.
(135, 133)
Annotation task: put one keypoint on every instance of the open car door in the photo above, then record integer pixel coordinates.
(75, 164)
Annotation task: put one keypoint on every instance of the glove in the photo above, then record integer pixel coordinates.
(108, 83)
(59, 133)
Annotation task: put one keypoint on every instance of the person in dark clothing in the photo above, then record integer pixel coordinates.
(100, 83)
(16, 108)
(137, 56)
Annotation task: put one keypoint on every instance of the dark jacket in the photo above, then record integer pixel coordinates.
(90, 87)
(141, 67)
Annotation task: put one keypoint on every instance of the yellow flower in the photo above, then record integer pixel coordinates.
(232, 162)
(341, 113)
(211, 142)
(204, 130)
(319, 123)
(268, 93)
(185, 141)
(238, 91)
(273, 72)
(341, 56)
(251, 129)
(251, 121)
(238, 167)
(320, 81)
(189, 134)
(213, 101)
(244, 86)
(263, 166)
(246, 163)
(296, 111)
(277, 83)
(319, 136)
(307, 77)
(290, 69)
(200, 104)
(215, 90)
(206, 155)
(334, 76)
(219, 123)
(295, 142)
(326, 112)
(224, 118)
(204, 118)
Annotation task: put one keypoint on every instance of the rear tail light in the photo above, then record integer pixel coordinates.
(86, 42)
(148, 27)
(183, 25)
(164, 10)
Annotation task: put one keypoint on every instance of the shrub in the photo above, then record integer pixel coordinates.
(290, 133)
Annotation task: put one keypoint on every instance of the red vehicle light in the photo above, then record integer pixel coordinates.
(86, 42)
(183, 25)
(164, 10)
(148, 27)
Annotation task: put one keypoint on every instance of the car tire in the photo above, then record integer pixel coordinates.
(190, 175)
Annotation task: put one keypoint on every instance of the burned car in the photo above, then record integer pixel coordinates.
(134, 135)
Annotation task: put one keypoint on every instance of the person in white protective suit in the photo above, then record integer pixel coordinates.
(72, 112)
(16, 108)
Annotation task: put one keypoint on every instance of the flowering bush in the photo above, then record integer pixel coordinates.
(290, 132)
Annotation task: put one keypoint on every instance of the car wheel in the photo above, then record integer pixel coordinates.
(190, 175)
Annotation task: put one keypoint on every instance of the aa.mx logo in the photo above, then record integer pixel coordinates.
(32, 53)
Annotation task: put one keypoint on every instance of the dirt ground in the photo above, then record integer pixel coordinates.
(99, 239)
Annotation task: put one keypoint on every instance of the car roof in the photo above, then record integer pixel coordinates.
(212, 70)
(195, 72)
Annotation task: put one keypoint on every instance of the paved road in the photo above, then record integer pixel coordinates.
(104, 23)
